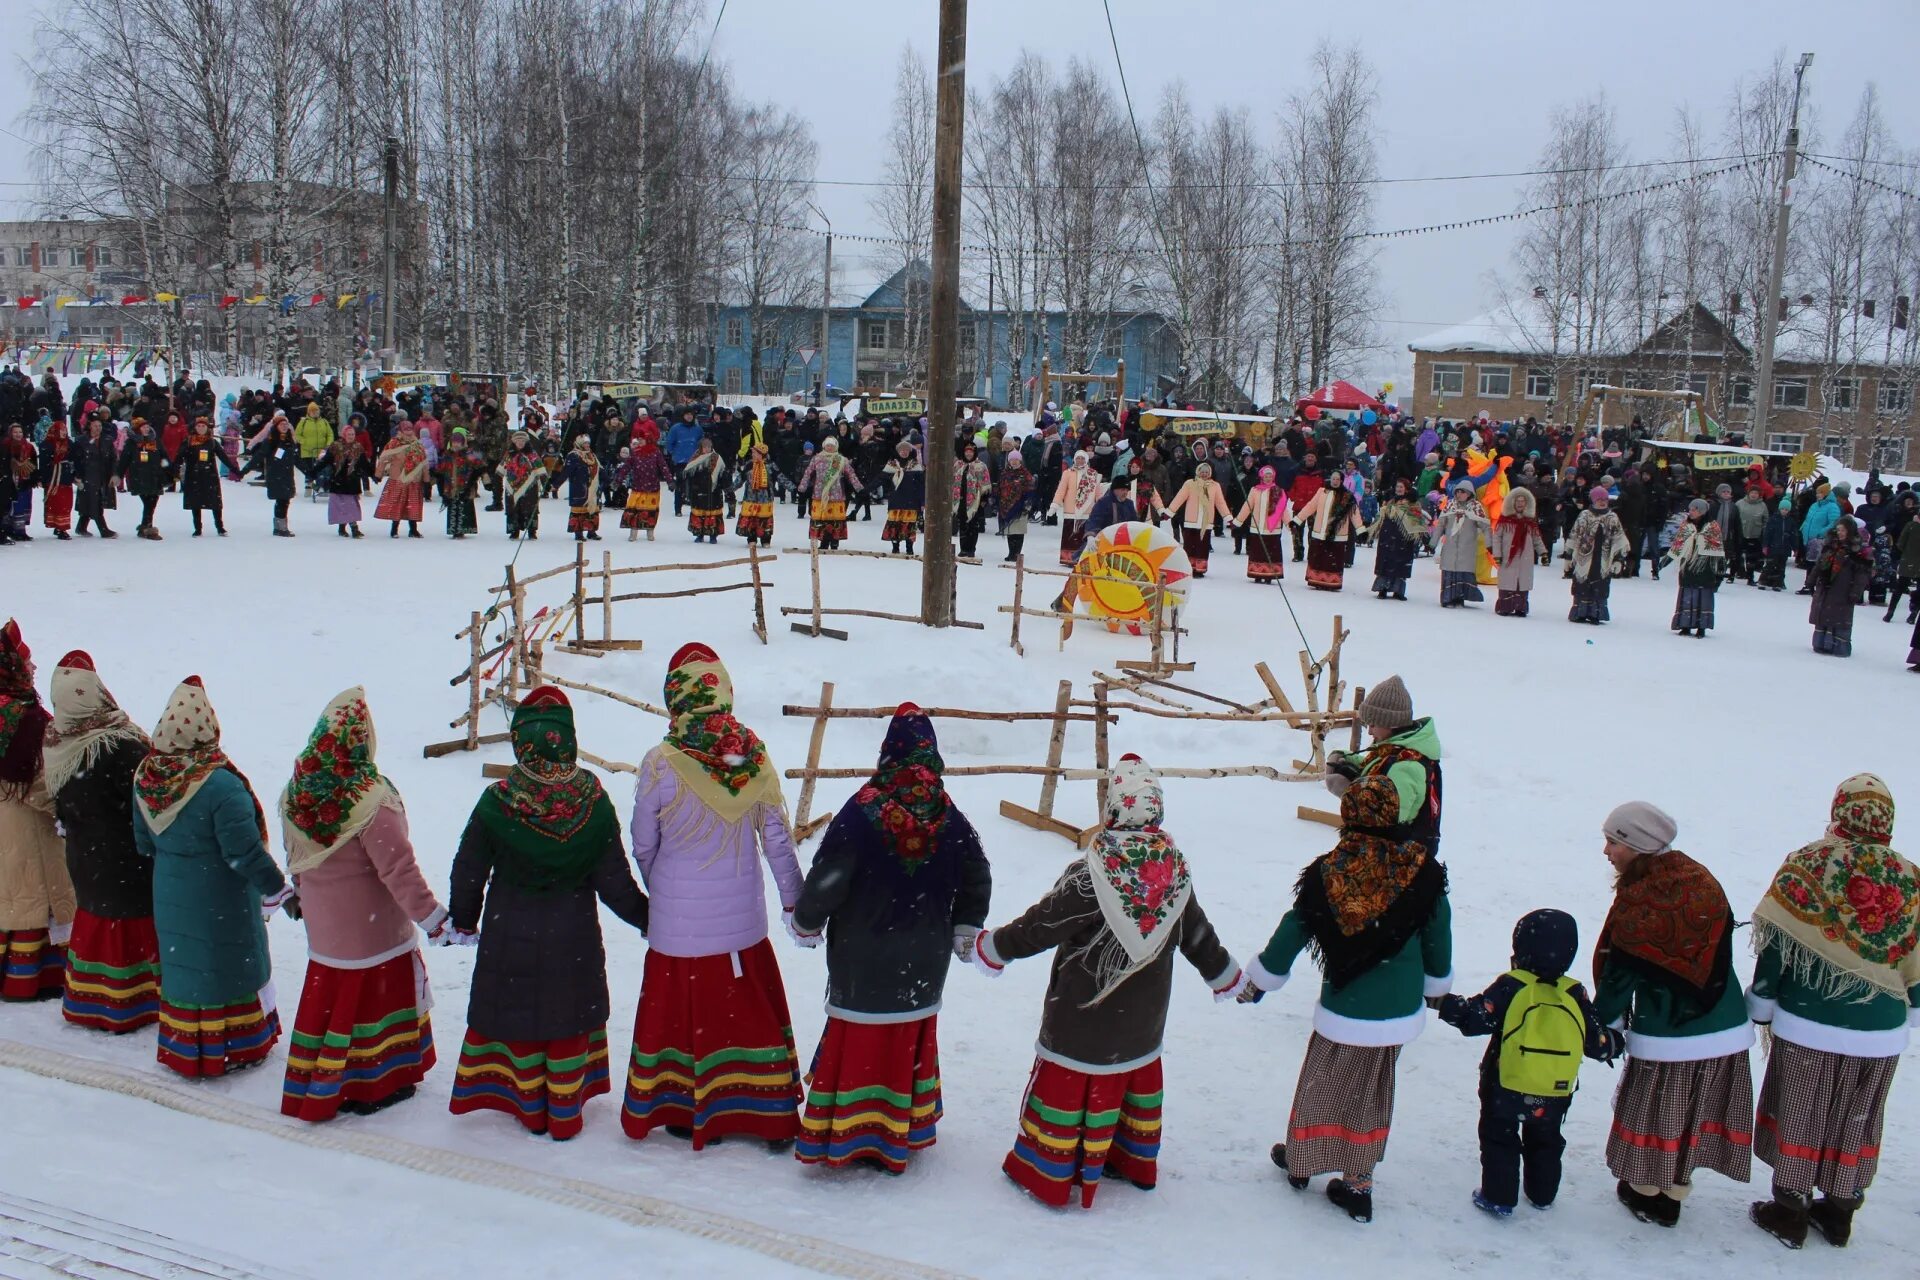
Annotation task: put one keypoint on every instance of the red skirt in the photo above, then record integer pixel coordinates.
(713, 1049)
(580, 520)
(1075, 1127)
(642, 510)
(709, 523)
(209, 1040)
(545, 1083)
(903, 525)
(756, 520)
(1198, 542)
(873, 1094)
(31, 966)
(113, 974)
(361, 1035)
(1266, 556)
(57, 510)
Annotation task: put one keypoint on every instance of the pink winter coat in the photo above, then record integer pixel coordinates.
(361, 905)
(706, 889)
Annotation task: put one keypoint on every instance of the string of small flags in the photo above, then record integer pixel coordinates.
(286, 303)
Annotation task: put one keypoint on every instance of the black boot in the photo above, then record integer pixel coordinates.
(1658, 1209)
(1016, 543)
(1279, 1154)
(1784, 1217)
(413, 529)
(393, 528)
(1358, 1204)
(1832, 1217)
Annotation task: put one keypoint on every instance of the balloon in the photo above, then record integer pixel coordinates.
(1311, 413)
(1386, 387)
(1368, 417)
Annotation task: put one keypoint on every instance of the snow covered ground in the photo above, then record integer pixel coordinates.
(1546, 725)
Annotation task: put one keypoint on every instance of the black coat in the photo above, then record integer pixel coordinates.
(278, 461)
(144, 464)
(350, 478)
(110, 878)
(542, 970)
(200, 465)
(890, 931)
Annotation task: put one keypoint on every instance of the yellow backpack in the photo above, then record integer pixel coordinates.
(1542, 1038)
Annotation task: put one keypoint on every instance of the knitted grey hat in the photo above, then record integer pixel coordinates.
(1388, 705)
(1642, 827)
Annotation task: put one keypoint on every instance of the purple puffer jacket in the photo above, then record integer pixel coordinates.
(708, 895)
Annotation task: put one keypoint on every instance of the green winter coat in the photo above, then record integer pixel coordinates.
(210, 870)
(1801, 1011)
(313, 435)
(1407, 776)
(1386, 1005)
(1644, 1009)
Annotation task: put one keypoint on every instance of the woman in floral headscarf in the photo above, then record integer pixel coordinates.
(1113, 921)
(349, 471)
(1264, 516)
(93, 751)
(704, 478)
(899, 888)
(214, 888)
(36, 897)
(1396, 535)
(361, 1040)
(972, 483)
(404, 465)
(831, 480)
(1013, 496)
(56, 481)
(713, 1052)
(907, 488)
(1837, 938)
(643, 472)
(756, 497)
(1080, 487)
(540, 853)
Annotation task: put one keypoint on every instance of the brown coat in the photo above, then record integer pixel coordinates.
(34, 886)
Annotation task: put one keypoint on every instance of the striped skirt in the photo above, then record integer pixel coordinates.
(32, 967)
(829, 521)
(873, 1094)
(706, 522)
(642, 510)
(1076, 1127)
(1456, 587)
(1670, 1118)
(113, 974)
(361, 1036)
(1342, 1108)
(756, 520)
(903, 525)
(583, 519)
(543, 1083)
(713, 1049)
(1266, 556)
(1820, 1119)
(200, 1041)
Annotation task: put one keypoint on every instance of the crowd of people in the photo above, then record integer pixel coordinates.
(1490, 502)
(137, 884)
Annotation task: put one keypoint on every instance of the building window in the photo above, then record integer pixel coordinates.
(772, 380)
(1890, 455)
(730, 382)
(1840, 447)
(105, 256)
(1842, 393)
(1694, 382)
(1449, 379)
(873, 335)
(1893, 397)
(769, 335)
(1539, 384)
(1741, 392)
(1786, 441)
(1496, 382)
(733, 333)
(1789, 393)
(969, 337)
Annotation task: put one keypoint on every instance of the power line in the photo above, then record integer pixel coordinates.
(1861, 178)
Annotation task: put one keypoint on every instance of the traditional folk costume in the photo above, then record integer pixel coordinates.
(1013, 496)
(214, 884)
(583, 491)
(403, 465)
(36, 895)
(349, 471)
(644, 471)
(1264, 516)
(521, 475)
(22, 461)
(1396, 535)
(93, 751)
(541, 851)
(756, 498)
(900, 887)
(362, 1040)
(831, 480)
(1839, 580)
(703, 481)
(1080, 487)
(1663, 973)
(713, 1053)
(908, 495)
(972, 482)
(1600, 550)
(1516, 542)
(1463, 527)
(56, 481)
(1373, 912)
(1200, 502)
(1701, 558)
(460, 473)
(1332, 518)
(1113, 921)
(1838, 977)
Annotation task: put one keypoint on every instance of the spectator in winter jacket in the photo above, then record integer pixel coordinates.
(683, 438)
(1115, 506)
(1307, 483)
(313, 433)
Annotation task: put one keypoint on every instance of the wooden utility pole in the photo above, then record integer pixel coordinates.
(937, 568)
(390, 204)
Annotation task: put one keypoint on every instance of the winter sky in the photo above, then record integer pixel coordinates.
(1464, 89)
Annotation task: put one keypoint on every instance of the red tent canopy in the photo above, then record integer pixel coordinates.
(1342, 395)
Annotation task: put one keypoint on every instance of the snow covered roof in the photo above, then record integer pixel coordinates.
(1509, 329)
(1858, 338)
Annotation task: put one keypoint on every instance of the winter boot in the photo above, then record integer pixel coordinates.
(220, 528)
(342, 531)
(1358, 1204)
(1647, 1208)
(413, 529)
(633, 535)
(393, 528)
(649, 535)
(357, 533)
(1784, 1217)
(1279, 1154)
(1016, 545)
(1485, 1205)
(1832, 1217)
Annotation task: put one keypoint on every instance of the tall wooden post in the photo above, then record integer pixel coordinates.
(937, 567)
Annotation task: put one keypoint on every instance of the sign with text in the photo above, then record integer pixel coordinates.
(883, 408)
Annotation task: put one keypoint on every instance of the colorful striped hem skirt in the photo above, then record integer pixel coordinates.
(707, 522)
(200, 1041)
(1342, 1108)
(361, 1035)
(1076, 1128)
(642, 510)
(829, 520)
(1671, 1118)
(1821, 1117)
(713, 1049)
(583, 520)
(903, 525)
(873, 1094)
(545, 1084)
(113, 974)
(756, 520)
(34, 968)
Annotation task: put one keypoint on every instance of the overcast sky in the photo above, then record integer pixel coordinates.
(1463, 89)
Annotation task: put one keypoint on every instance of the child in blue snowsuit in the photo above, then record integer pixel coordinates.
(1518, 1128)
